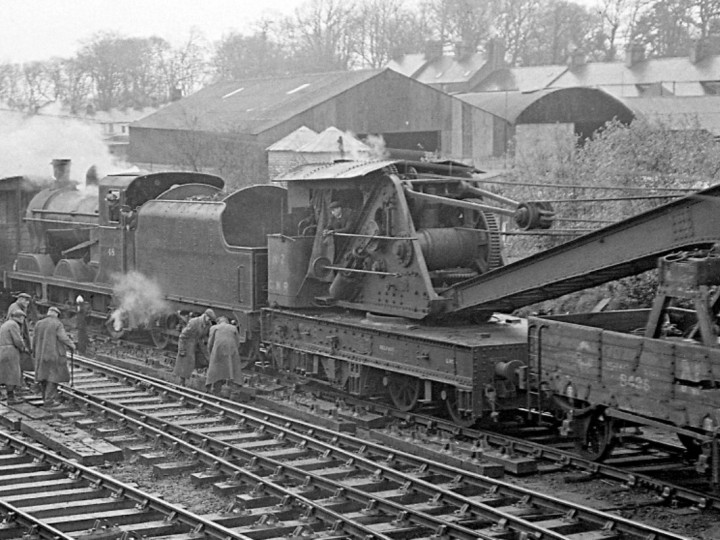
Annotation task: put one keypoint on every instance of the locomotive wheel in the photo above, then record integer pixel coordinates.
(159, 330)
(404, 391)
(460, 418)
(595, 436)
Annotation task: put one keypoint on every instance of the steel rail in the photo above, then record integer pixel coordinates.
(36, 528)
(120, 489)
(218, 406)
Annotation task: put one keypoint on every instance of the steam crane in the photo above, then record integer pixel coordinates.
(407, 298)
(425, 245)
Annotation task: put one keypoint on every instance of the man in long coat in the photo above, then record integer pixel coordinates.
(11, 345)
(224, 355)
(190, 344)
(50, 343)
(22, 302)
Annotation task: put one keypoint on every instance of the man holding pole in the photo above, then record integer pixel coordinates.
(50, 342)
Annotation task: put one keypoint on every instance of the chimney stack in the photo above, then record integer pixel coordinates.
(698, 50)
(576, 59)
(634, 53)
(495, 52)
(463, 49)
(61, 172)
(433, 50)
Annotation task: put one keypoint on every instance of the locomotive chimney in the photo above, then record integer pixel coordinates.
(61, 172)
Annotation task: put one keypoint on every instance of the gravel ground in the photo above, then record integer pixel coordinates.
(630, 504)
(177, 490)
(601, 494)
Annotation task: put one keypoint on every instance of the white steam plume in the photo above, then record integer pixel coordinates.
(29, 143)
(140, 299)
(377, 145)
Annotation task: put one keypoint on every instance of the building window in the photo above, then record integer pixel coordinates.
(712, 88)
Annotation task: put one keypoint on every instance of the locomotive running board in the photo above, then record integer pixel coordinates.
(625, 248)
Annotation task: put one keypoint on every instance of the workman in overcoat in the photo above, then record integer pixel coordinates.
(50, 343)
(23, 302)
(11, 346)
(223, 344)
(190, 344)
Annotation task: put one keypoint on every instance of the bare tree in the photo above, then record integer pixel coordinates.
(618, 19)
(321, 35)
(515, 21)
(241, 57)
(705, 16)
(185, 68)
(463, 21)
(9, 84)
(37, 87)
(561, 28)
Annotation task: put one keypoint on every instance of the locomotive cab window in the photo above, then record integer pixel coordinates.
(112, 199)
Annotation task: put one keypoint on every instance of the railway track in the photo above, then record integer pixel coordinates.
(335, 481)
(642, 463)
(44, 495)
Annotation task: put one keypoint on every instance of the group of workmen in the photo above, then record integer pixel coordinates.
(223, 341)
(45, 354)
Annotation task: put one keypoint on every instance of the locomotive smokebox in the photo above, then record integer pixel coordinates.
(61, 172)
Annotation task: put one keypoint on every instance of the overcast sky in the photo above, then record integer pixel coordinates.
(40, 29)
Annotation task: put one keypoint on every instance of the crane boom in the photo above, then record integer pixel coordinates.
(625, 248)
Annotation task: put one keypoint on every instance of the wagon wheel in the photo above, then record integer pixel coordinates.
(463, 418)
(595, 436)
(159, 330)
(404, 391)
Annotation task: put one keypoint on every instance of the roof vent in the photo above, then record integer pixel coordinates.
(233, 93)
(301, 87)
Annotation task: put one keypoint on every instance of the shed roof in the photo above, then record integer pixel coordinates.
(253, 105)
(294, 141)
(439, 70)
(328, 141)
(687, 112)
(525, 79)
(654, 70)
(550, 105)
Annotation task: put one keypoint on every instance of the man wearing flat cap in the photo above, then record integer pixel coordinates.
(192, 352)
(50, 343)
(11, 346)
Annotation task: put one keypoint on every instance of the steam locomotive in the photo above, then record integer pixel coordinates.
(407, 302)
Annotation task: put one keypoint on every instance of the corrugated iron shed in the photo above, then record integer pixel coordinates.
(254, 105)
(550, 105)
